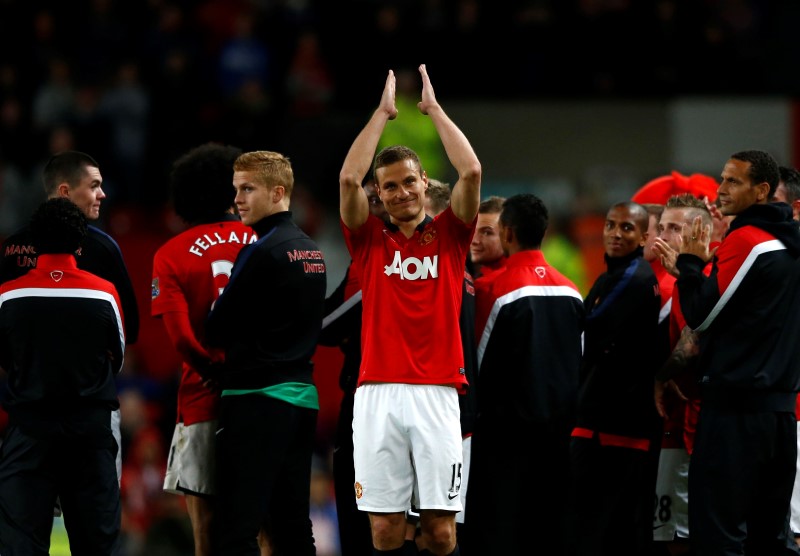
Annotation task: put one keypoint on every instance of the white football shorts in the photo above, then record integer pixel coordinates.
(407, 447)
(795, 503)
(192, 464)
(671, 518)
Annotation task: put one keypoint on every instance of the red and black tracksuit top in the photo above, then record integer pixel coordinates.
(100, 254)
(62, 338)
(746, 312)
(529, 351)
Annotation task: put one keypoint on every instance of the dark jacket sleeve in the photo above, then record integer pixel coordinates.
(698, 293)
(104, 258)
(221, 318)
(338, 329)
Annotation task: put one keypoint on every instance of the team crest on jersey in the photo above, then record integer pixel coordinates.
(57, 275)
(540, 271)
(359, 490)
(427, 236)
(154, 289)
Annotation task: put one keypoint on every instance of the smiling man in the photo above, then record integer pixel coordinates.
(612, 449)
(412, 274)
(485, 249)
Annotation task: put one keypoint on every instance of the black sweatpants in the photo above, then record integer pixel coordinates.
(741, 476)
(612, 499)
(264, 450)
(72, 456)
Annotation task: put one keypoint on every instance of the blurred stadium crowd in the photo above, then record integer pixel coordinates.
(136, 84)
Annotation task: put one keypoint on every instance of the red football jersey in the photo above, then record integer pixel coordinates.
(666, 283)
(189, 272)
(483, 297)
(411, 295)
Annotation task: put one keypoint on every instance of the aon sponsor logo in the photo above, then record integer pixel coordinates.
(412, 268)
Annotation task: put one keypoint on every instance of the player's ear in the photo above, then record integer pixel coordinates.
(507, 233)
(763, 191)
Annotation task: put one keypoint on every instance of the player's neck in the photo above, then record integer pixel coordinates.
(408, 227)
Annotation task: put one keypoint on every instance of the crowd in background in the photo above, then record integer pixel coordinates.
(137, 83)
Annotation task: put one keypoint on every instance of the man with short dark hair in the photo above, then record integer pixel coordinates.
(62, 341)
(745, 312)
(485, 250)
(486, 257)
(529, 357)
(788, 190)
(406, 426)
(189, 272)
(612, 450)
(76, 176)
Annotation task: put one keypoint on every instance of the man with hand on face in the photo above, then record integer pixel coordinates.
(677, 401)
(745, 312)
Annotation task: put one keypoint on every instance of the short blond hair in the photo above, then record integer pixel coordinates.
(438, 194)
(270, 169)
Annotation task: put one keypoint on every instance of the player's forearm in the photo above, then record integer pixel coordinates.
(183, 339)
(359, 158)
(682, 356)
(353, 204)
(467, 192)
(456, 145)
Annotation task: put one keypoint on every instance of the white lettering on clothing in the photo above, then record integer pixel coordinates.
(199, 247)
(412, 268)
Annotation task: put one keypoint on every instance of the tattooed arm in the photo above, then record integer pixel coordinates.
(680, 359)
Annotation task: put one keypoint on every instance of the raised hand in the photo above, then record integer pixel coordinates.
(387, 99)
(721, 223)
(696, 239)
(666, 254)
(428, 97)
